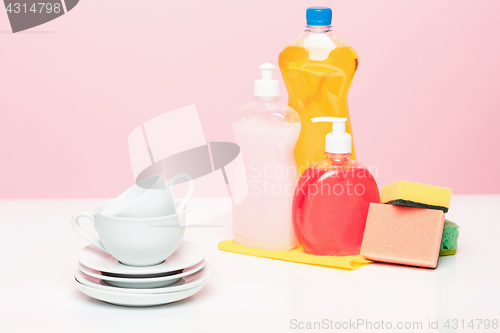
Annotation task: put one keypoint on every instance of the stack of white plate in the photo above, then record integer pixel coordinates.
(181, 275)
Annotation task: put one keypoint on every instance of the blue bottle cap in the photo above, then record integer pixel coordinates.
(319, 16)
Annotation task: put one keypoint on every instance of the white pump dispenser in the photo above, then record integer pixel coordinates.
(337, 141)
(267, 87)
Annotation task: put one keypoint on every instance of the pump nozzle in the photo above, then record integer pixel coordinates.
(337, 141)
(267, 87)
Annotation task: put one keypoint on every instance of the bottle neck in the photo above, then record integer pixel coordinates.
(318, 28)
(266, 100)
(338, 157)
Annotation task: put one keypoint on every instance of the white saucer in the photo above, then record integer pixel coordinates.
(136, 299)
(188, 282)
(152, 282)
(188, 254)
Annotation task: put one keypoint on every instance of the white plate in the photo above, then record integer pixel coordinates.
(188, 254)
(136, 299)
(188, 282)
(153, 282)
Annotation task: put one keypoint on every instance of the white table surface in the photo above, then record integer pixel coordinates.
(246, 294)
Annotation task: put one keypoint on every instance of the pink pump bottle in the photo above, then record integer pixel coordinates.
(332, 197)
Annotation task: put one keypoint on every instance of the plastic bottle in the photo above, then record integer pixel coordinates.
(317, 68)
(267, 132)
(332, 198)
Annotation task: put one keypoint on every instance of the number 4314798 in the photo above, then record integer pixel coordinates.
(36, 8)
(472, 324)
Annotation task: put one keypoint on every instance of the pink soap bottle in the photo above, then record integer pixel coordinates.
(267, 133)
(332, 197)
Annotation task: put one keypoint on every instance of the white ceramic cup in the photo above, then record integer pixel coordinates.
(134, 241)
(151, 197)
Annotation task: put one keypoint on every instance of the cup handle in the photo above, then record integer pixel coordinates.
(79, 230)
(189, 193)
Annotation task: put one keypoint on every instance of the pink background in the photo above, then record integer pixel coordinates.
(424, 102)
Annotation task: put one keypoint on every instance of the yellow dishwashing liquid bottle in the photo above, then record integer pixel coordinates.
(317, 68)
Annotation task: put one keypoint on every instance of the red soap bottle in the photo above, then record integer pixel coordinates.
(332, 197)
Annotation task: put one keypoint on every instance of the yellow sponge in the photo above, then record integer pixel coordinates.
(298, 255)
(411, 194)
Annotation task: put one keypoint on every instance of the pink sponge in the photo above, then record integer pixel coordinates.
(403, 235)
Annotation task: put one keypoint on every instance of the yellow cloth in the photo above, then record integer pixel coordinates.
(298, 255)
